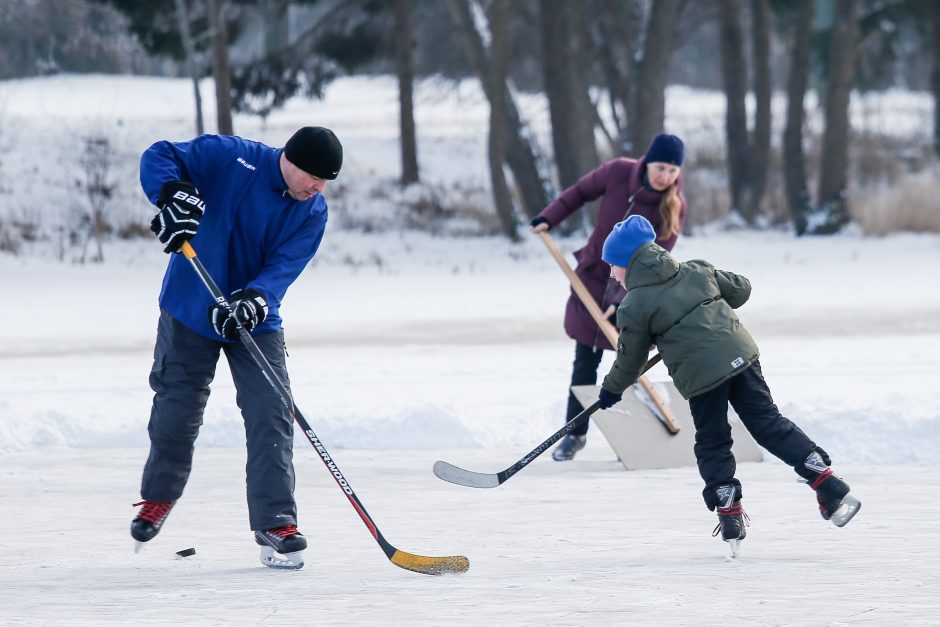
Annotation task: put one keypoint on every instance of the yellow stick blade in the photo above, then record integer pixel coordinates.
(431, 565)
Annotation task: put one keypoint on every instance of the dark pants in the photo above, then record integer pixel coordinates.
(584, 372)
(183, 367)
(750, 397)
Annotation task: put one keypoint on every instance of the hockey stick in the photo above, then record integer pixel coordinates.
(656, 404)
(408, 561)
(460, 476)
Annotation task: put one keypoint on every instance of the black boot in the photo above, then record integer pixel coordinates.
(570, 445)
(150, 519)
(836, 504)
(732, 520)
(283, 540)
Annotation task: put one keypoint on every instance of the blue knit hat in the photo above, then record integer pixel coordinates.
(625, 239)
(665, 148)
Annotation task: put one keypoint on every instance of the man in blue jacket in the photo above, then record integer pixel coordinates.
(256, 216)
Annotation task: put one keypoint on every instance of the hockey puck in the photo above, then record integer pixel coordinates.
(186, 552)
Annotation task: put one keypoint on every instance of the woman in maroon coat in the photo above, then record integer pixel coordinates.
(650, 187)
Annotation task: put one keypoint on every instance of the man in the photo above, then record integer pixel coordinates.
(256, 216)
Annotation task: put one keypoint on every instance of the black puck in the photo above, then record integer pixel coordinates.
(186, 552)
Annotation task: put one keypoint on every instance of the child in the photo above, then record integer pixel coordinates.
(686, 310)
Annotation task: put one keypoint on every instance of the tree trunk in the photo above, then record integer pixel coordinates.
(189, 51)
(276, 25)
(734, 79)
(794, 161)
(935, 74)
(760, 146)
(652, 74)
(404, 65)
(833, 170)
(221, 71)
(519, 153)
(567, 89)
(616, 61)
(496, 144)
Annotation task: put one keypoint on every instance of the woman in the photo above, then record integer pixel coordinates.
(650, 187)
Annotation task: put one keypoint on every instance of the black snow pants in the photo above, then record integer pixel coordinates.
(583, 372)
(750, 397)
(184, 365)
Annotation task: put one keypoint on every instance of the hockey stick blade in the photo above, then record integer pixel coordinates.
(459, 476)
(450, 565)
(455, 474)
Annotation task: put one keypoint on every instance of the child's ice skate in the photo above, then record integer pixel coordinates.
(732, 520)
(836, 503)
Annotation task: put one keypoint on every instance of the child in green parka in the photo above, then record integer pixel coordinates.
(687, 311)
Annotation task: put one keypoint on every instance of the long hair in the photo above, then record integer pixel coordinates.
(669, 207)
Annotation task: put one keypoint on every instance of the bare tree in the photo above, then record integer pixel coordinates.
(734, 77)
(566, 86)
(520, 155)
(496, 144)
(648, 110)
(763, 91)
(834, 157)
(189, 53)
(934, 10)
(97, 162)
(404, 64)
(221, 70)
(794, 161)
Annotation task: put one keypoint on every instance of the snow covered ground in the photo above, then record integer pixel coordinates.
(405, 349)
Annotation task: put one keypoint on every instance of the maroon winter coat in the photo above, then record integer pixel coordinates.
(617, 181)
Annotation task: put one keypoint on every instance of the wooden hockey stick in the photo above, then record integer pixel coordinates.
(662, 412)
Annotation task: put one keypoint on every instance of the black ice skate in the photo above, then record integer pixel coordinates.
(282, 547)
(570, 445)
(836, 503)
(732, 519)
(149, 520)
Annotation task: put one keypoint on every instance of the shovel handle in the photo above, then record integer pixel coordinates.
(669, 421)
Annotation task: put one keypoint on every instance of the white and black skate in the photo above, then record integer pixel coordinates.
(282, 547)
(732, 520)
(836, 503)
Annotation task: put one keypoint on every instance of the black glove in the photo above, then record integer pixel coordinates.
(537, 220)
(248, 307)
(181, 208)
(608, 399)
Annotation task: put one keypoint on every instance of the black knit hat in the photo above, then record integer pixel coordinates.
(665, 148)
(316, 151)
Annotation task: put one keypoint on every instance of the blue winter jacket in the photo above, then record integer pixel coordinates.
(253, 234)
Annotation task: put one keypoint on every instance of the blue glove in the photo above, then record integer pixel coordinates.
(248, 307)
(608, 399)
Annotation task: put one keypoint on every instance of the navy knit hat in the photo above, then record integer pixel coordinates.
(625, 239)
(665, 148)
(316, 151)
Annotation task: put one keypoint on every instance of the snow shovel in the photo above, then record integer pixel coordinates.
(651, 397)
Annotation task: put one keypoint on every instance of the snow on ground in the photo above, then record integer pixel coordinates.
(405, 349)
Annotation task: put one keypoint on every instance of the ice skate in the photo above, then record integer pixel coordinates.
(282, 547)
(149, 520)
(836, 503)
(569, 446)
(732, 520)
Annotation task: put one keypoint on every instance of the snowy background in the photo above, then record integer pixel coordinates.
(407, 348)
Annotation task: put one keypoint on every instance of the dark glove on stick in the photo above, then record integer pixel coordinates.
(248, 308)
(608, 399)
(181, 208)
(537, 220)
